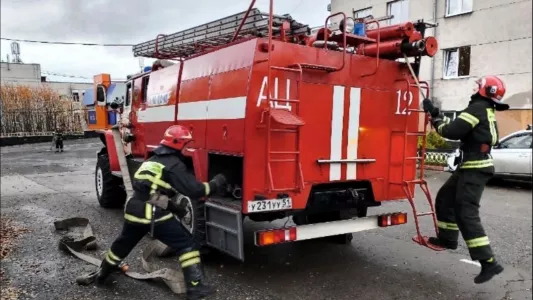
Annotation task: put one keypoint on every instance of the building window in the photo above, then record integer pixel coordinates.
(457, 62)
(362, 13)
(458, 7)
(399, 10)
(75, 97)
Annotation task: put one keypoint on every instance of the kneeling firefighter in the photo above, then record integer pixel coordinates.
(151, 209)
(457, 202)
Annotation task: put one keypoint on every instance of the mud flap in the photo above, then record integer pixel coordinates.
(224, 227)
(87, 241)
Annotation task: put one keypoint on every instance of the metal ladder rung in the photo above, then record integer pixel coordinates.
(284, 130)
(283, 160)
(425, 214)
(414, 157)
(285, 100)
(286, 69)
(415, 133)
(284, 152)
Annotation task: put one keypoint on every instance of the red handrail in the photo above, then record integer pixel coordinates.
(377, 53)
(343, 37)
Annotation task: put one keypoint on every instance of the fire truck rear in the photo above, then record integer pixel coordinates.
(314, 127)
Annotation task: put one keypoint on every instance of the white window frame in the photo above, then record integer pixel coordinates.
(389, 7)
(462, 11)
(356, 12)
(445, 60)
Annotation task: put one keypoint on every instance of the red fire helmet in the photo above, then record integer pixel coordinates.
(176, 137)
(493, 88)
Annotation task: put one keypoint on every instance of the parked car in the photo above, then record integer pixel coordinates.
(512, 156)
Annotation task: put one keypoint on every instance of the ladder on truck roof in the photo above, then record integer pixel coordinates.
(195, 40)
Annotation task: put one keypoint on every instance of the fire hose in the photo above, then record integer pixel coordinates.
(413, 74)
(74, 245)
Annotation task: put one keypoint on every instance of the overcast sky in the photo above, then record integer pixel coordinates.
(117, 21)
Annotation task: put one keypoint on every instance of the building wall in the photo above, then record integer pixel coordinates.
(497, 31)
(30, 74)
(23, 73)
(512, 120)
(499, 35)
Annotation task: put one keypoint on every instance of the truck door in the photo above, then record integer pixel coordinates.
(126, 116)
(137, 107)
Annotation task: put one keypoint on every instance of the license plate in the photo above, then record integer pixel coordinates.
(269, 205)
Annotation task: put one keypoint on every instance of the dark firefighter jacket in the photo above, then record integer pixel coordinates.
(164, 173)
(58, 134)
(477, 130)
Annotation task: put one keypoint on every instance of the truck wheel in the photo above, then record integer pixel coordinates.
(194, 223)
(109, 190)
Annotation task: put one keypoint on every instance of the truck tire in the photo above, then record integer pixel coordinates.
(109, 188)
(194, 223)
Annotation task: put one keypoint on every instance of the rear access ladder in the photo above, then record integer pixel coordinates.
(292, 123)
(406, 184)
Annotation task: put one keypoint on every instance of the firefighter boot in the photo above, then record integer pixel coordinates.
(100, 275)
(489, 268)
(447, 244)
(105, 270)
(194, 276)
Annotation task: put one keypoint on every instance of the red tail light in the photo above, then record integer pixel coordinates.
(276, 236)
(392, 219)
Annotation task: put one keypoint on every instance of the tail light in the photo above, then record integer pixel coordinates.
(392, 219)
(276, 236)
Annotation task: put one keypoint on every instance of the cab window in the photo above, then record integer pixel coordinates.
(128, 94)
(144, 88)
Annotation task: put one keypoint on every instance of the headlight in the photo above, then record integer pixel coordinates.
(349, 25)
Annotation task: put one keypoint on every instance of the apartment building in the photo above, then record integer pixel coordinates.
(476, 37)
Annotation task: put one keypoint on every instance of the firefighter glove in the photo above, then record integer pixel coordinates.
(159, 200)
(428, 107)
(179, 208)
(219, 180)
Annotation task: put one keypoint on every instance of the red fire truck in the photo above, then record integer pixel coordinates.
(314, 127)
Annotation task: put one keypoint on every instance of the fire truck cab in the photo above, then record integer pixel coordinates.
(102, 103)
(314, 127)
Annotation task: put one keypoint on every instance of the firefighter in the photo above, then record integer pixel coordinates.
(58, 138)
(158, 180)
(457, 201)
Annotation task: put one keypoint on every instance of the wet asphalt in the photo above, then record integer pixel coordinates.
(39, 186)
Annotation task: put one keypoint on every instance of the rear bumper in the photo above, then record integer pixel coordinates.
(320, 230)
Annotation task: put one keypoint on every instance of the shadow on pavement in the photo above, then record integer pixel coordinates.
(510, 184)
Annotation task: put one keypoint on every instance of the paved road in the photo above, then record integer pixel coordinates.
(39, 187)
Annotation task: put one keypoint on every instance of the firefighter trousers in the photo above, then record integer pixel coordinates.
(457, 208)
(170, 232)
(59, 144)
